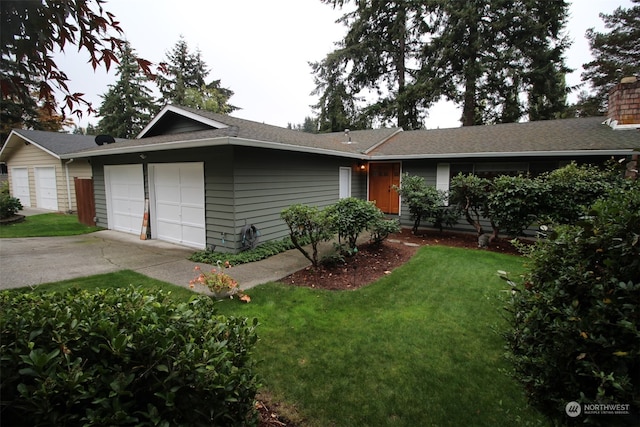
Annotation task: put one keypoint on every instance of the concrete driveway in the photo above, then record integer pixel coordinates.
(35, 260)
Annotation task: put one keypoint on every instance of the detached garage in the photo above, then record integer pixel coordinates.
(38, 174)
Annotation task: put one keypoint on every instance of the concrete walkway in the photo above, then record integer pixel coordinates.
(36, 260)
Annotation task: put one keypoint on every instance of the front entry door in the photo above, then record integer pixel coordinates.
(382, 178)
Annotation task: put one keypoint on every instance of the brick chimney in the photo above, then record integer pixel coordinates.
(624, 104)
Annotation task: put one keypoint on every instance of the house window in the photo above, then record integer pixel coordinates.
(345, 183)
(442, 179)
(489, 169)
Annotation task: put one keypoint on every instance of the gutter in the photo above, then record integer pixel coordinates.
(66, 169)
(618, 152)
(234, 141)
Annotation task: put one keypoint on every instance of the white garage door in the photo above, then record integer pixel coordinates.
(178, 197)
(46, 194)
(125, 197)
(20, 184)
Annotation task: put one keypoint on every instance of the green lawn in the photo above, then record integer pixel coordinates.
(418, 348)
(45, 225)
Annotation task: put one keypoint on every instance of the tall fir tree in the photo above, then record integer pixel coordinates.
(483, 53)
(616, 53)
(128, 105)
(336, 106)
(379, 53)
(182, 81)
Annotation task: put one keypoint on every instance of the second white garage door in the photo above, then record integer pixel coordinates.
(177, 193)
(46, 193)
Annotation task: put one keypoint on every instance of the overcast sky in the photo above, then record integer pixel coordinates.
(261, 49)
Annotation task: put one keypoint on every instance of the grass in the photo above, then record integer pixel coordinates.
(418, 347)
(46, 225)
(118, 279)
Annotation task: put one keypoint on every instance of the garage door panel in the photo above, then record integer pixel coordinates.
(46, 193)
(192, 195)
(125, 197)
(167, 212)
(191, 215)
(168, 230)
(168, 194)
(178, 192)
(20, 184)
(191, 234)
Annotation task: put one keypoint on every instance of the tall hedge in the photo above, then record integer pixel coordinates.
(123, 357)
(575, 315)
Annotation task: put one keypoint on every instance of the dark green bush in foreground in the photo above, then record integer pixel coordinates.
(123, 357)
(575, 316)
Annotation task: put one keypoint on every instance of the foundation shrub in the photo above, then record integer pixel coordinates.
(351, 216)
(9, 206)
(123, 357)
(307, 224)
(424, 201)
(574, 316)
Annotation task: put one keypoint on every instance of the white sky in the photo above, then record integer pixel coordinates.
(261, 49)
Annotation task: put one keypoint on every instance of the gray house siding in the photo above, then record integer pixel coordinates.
(245, 186)
(219, 199)
(99, 192)
(268, 181)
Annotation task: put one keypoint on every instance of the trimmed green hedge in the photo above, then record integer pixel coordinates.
(123, 357)
(574, 316)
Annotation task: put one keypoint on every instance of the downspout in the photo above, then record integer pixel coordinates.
(66, 169)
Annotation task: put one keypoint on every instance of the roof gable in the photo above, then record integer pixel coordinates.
(174, 120)
(56, 144)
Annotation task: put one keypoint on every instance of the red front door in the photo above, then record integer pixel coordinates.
(382, 178)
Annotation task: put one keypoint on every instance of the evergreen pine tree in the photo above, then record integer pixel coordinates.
(616, 53)
(182, 82)
(128, 105)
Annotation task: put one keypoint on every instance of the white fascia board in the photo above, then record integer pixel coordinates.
(209, 142)
(619, 152)
(25, 139)
(613, 124)
(184, 113)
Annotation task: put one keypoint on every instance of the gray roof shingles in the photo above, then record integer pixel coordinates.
(551, 135)
(58, 143)
(542, 136)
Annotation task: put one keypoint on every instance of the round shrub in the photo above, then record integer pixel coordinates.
(9, 206)
(123, 357)
(351, 216)
(574, 317)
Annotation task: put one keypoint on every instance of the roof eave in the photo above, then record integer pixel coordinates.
(569, 153)
(209, 142)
